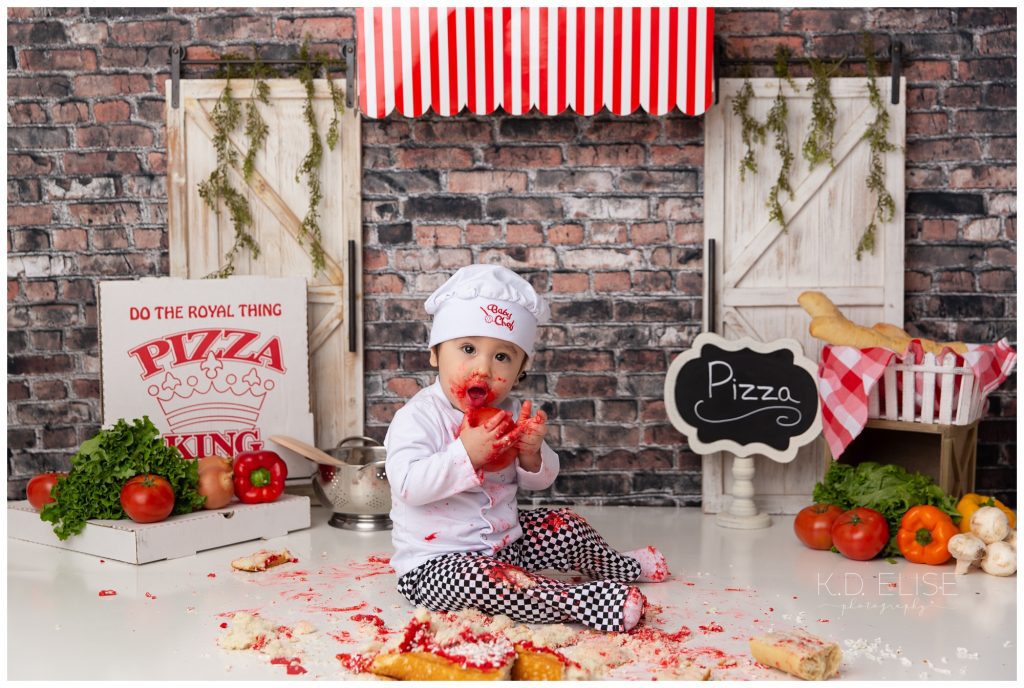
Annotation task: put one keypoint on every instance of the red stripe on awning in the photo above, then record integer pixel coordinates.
(534, 58)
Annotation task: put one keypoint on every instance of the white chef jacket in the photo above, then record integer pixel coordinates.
(439, 503)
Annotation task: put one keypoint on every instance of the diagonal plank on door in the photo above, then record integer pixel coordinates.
(334, 296)
(803, 193)
(262, 188)
(733, 317)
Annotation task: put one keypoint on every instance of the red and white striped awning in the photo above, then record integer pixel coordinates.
(583, 58)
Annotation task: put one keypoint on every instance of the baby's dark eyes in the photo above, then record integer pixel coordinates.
(501, 356)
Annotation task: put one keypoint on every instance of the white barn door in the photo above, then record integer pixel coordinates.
(760, 269)
(199, 238)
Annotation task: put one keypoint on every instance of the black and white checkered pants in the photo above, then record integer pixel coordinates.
(556, 539)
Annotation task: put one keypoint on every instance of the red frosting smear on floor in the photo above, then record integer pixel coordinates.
(293, 666)
(373, 620)
(652, 635)
(712, 627)
(353, 608)
(355, 662)
(430, 537)
(151, 596)
(211, 575)
(231, 614)
(107, 593)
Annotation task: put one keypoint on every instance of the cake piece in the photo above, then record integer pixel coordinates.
(798, 653)
(466, 657)
(538, 663)
(262, 560)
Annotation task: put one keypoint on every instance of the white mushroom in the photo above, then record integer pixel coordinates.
(999, 559)
(966, 549)
(1011, 539)
(990, 524)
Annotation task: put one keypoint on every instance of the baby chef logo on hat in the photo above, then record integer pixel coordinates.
(502, 317)
(487, 301)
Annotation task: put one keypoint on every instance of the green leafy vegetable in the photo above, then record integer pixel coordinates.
(92, 489)
(886, 488)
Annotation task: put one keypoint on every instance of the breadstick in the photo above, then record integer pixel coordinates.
(817, 304)
(903, 339)
(839, 331)
(797, 653)
(892, 332)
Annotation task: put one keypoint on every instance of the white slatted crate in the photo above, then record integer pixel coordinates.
(930, 392)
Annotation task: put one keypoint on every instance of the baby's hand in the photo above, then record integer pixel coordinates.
(482, 440)
(531, 433)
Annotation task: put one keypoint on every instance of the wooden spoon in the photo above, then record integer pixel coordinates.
(307, 450)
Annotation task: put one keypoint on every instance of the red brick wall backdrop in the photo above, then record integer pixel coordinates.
(603, 214)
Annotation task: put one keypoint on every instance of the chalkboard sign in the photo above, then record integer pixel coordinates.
(745, 397)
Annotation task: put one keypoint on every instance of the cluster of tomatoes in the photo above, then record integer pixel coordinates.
(859, 533)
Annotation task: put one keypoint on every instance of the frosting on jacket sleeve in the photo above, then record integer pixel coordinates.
(545, 475)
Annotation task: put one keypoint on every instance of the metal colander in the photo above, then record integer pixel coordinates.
(358, 493)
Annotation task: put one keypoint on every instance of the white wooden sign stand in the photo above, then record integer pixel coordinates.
(742, 512)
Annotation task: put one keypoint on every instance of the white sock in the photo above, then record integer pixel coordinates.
(633, 609)
(653, 567)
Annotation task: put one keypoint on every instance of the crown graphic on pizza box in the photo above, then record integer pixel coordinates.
(218, 365)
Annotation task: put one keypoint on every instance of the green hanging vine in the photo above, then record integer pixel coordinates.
(877, 136)
(310, 166)
(217, 188)
(820, 140)
(751, 131)
(227, 116)
(776, 123)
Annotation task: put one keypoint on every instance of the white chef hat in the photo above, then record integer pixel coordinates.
(487, 301)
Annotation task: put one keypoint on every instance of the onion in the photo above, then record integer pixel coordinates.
(215, 481)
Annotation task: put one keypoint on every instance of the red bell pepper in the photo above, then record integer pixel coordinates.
(259, 476)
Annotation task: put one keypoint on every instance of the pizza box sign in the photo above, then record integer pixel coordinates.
(744, 397)
(218, 365)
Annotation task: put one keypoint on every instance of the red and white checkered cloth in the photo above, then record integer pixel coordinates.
(846, 376)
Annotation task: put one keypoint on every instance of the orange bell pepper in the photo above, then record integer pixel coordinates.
(924, 535)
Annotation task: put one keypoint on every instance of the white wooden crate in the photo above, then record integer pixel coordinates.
(930, 392)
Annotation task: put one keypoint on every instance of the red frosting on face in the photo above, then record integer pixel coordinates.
(472, 392)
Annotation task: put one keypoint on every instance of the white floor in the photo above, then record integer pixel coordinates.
(893, 621)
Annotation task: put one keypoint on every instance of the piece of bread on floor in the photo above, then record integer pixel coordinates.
(798, 653)
(262, 560)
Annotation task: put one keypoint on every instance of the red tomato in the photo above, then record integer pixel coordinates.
(860, 533)
(479, 415)
(39, 487)
(147, 498)
(813, 525)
